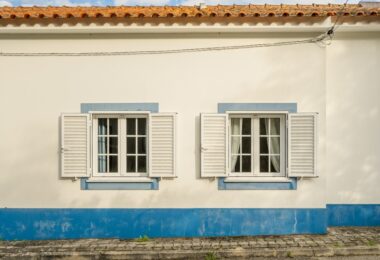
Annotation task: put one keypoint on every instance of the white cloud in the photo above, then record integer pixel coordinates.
(5, 3)
(141, 2)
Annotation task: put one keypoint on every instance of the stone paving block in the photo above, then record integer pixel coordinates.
(323, 252)
(342, 242)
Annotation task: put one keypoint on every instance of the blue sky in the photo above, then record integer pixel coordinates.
(156, 2)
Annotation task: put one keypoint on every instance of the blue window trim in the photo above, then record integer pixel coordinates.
(222, 185)
(87, 107)
(290, 107)
(223, 108)
(151, 107)
(153, 185)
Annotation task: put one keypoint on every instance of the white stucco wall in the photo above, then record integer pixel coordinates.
(353, 125)
(34, 91)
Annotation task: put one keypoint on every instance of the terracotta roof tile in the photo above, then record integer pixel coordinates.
(225, 11)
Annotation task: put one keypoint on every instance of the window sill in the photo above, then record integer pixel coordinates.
(127, 183)
(257, 183)
(257, 179)
(120, 179)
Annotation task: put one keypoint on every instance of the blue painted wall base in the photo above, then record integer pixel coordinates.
(35, 224)
(353, 215)
(131, 223)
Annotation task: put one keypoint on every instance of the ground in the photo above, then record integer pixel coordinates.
(340, 243)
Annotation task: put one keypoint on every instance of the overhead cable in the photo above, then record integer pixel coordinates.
(319, 39)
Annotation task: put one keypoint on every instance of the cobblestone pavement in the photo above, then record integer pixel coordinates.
(339, 242)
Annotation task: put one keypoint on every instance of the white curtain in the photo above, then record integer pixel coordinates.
(235, 129)
(102, 146)
(274, 144)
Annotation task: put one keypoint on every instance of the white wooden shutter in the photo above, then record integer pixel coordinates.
(75, 145)
(214, 145)
(162, 149)
(302, 145)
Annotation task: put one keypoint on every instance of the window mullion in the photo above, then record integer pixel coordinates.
(256, 145)
(241, 145)
(108, 146)
(122, 151)
(269, 145)
(136, 143)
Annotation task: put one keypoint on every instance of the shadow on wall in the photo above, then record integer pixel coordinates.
(197, 146)
(353, 127)
(59, 151)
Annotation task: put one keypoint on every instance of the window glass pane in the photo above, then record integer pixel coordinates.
(275, 126)
(235, 163)
(113, 164)
(246, 126)
(102, 163)
(264, 145)
(275, 163)
(113, 126)
(131, 163)
(141, 126)
(141, 161)
(102, 145)
(246, 163)
(235, 126)
(102, 126)
(235, 145)
(142, 145)
(113, 145)
(131, 145)
(246, 144)
(131, 126)
(275, 145)
(264, 163)
(264, 123)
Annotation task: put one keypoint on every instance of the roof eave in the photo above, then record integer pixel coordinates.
(107, 28)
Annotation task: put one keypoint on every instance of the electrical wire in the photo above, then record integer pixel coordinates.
(319, 39)
(335, 27)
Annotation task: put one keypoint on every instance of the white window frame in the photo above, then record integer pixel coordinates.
(124, 139)
(122, 143)
(255, 142)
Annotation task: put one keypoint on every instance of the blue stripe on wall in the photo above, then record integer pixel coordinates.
(353, 215)
(130, 223)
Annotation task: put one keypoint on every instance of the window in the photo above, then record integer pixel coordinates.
(108, 145)
(122, 145)
(136, 145)
(257, 145)
(244, 143)
(101, 145)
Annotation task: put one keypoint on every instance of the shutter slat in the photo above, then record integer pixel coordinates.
(162, 145)
(75, 145)
(302, 145)
(214, 130)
